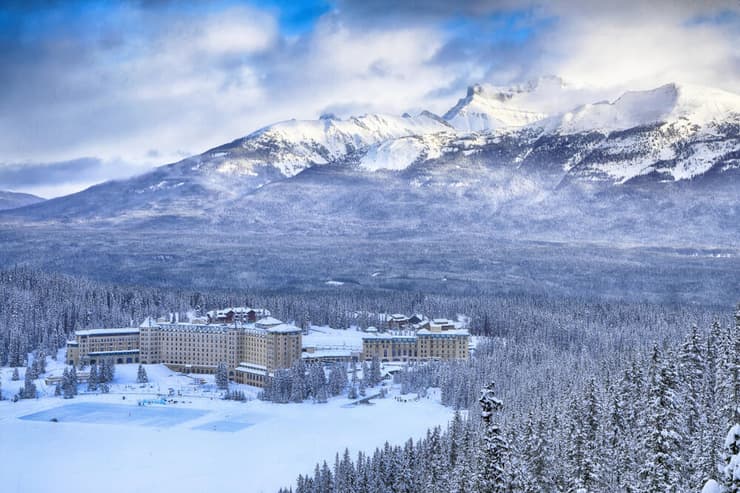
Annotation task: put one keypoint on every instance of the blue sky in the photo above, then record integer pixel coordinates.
(101, 90)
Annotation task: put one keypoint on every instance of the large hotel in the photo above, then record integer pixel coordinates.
(253, 344)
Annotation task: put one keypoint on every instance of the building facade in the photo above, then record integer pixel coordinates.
(252, 351)
(424, 344)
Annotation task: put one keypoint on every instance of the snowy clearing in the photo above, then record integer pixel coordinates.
(199, 444)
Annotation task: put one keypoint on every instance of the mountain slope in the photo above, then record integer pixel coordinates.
(12, 200)
(642, 141)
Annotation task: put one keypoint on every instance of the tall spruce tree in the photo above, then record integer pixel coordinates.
(491, 476)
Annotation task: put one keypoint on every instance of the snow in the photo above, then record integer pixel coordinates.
(328, 338)
(301, 143)
(200, 443)
(712, 486)
(667, 103)
(487, 107)
(123, 330)
(284, 328)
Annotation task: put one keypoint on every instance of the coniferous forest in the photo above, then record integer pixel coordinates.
(561, 394)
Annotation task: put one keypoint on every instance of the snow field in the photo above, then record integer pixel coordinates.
(202, 443)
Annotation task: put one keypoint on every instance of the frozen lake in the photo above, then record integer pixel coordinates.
(114, 414)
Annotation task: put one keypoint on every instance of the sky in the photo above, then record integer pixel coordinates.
(93, 91)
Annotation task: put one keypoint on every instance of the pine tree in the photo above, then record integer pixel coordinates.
(298, 390)
(730, 479)
(491, 476)
(222, 376)
(92, 380)
(141, 376)
(661, 471)
(28, 391)
(375, 374)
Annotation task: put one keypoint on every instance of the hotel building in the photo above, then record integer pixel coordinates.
(252, 351)
(440, 339)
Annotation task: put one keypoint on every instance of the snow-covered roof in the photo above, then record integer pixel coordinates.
(268, 321)
(328, 353)
(442, 321)
(107, 332)
(450, 333)
(148, 322)
(386, 335)
(284, 328)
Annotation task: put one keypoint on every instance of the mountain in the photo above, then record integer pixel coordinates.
(487, 107)
(669, 103)
(598, 198)
(534, 172)
(12, 200)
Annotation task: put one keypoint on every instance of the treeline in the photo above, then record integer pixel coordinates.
(654, 425)
(40, 311)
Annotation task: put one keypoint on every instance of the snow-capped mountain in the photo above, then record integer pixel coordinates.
(487, 107)
(669, 103)
(494, 147)
(12, 200)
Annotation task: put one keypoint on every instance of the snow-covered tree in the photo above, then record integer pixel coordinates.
(661, 470)
(222, 376)
(141, 376)
(491, 476)
(28, 391)
(93, 380)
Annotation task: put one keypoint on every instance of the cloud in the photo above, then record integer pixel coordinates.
(50, 179)
(118, 80)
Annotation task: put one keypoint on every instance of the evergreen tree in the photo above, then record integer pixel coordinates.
(661, 472)
(730, 479)
(299, 387)
(28, 391)
(141, 376)
(92, 380)
(491, 476)
(222, 376)
(375, 374)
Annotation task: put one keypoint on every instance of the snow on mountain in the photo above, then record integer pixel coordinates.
(399, 154)
(487, 107)
(297, 144)
(665, 104)
(670, 133)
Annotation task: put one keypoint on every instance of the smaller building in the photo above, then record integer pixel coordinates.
(439, 340)
(242, 314)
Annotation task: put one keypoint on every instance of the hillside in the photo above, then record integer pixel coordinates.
(12, 200)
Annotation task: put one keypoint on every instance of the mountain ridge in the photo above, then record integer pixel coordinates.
(699, 136)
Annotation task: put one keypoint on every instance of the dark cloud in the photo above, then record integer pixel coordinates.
(35, 174)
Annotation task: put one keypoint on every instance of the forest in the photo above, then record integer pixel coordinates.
(589, 395)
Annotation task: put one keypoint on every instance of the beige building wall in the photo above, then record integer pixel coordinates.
(197, 348)
(118, 345)
(420, 347)
(283, 349)
(200, 347)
